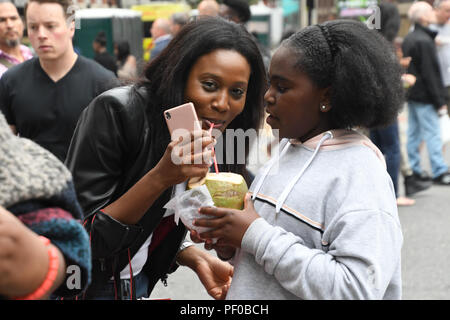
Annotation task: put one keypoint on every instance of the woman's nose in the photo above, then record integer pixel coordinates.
(220, 103)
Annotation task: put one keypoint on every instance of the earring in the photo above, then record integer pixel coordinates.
(323, 107)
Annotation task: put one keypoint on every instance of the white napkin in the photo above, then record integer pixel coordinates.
(185, 206)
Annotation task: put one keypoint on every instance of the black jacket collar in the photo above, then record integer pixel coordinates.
(426, 30)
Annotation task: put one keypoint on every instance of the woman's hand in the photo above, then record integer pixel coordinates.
(214, 274)
(24, 258)
(224, 252)
(186, 157)
(229, 225)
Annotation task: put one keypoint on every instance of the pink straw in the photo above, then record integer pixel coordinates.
(214, 152)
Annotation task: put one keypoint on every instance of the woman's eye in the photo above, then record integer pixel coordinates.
(209, 85)
(237, 93)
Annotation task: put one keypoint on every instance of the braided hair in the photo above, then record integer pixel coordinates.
(358, 66)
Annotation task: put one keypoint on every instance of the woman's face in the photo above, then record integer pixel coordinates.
(293, 101)
(217, 85)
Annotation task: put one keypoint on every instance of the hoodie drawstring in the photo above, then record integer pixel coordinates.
(267, 169)
(280, 201)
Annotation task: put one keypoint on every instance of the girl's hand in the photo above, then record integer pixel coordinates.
(229, 225)
(186, 157)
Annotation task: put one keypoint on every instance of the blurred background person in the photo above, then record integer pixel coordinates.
(12, 52)
(442, 26)
(161, 35)
(387, 138)
(235, 10)
(208, 8)
(177, 21)
(411, 182)
(239, 11)
(427, 97)
(126, 62)
(102, 55)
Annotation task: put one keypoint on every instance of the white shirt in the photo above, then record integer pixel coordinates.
(443, 51)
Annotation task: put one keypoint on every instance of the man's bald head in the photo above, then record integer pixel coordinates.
(420, 12)
(160, 27)
(208, 8)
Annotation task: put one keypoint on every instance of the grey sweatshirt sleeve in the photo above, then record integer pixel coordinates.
(363, 255)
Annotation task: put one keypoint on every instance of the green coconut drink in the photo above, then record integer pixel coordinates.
(226, 189)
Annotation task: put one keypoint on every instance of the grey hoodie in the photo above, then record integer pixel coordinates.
(329, 226)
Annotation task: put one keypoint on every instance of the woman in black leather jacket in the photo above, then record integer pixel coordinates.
(120, 157)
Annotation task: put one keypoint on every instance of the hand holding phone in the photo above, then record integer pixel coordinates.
(182, 117)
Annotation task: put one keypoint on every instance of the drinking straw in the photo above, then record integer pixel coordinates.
(214, 152)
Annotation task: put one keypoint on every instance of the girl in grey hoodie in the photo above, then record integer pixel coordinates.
(320, 221)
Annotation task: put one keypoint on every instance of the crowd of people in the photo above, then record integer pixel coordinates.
(86, 163)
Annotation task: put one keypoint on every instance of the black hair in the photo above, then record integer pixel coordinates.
(358, 65)
(101, 38)
(389, 20)
(166, 75)
(123, 51)
(241, 7)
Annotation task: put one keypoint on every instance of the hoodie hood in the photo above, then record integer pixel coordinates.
(342, 138)
(329, 140)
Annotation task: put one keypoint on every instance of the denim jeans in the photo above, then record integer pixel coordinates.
(423, 125)
(388, 141)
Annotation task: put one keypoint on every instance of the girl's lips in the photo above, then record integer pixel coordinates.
(271, 119)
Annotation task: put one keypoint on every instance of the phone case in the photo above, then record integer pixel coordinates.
(182, 117)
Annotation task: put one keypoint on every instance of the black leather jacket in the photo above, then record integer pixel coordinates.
(113, 146)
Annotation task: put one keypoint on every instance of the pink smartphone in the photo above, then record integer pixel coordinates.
(182, 117)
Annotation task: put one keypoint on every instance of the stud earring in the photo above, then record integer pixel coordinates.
(323, 107)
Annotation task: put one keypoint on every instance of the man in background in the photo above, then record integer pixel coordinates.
(442, 26)
(102, 55)
(235, 10)
(177, 21)
(161, 36)
(12, 52)
(42, 98)
(427, 97)
(208, 8)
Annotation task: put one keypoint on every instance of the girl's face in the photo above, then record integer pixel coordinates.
(293, 101)
(217, 85)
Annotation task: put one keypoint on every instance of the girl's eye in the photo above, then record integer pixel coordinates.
(281, 89)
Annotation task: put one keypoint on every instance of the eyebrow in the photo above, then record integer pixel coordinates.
(215, 76)
(278, 78)
(44, 22)
(9, 17)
